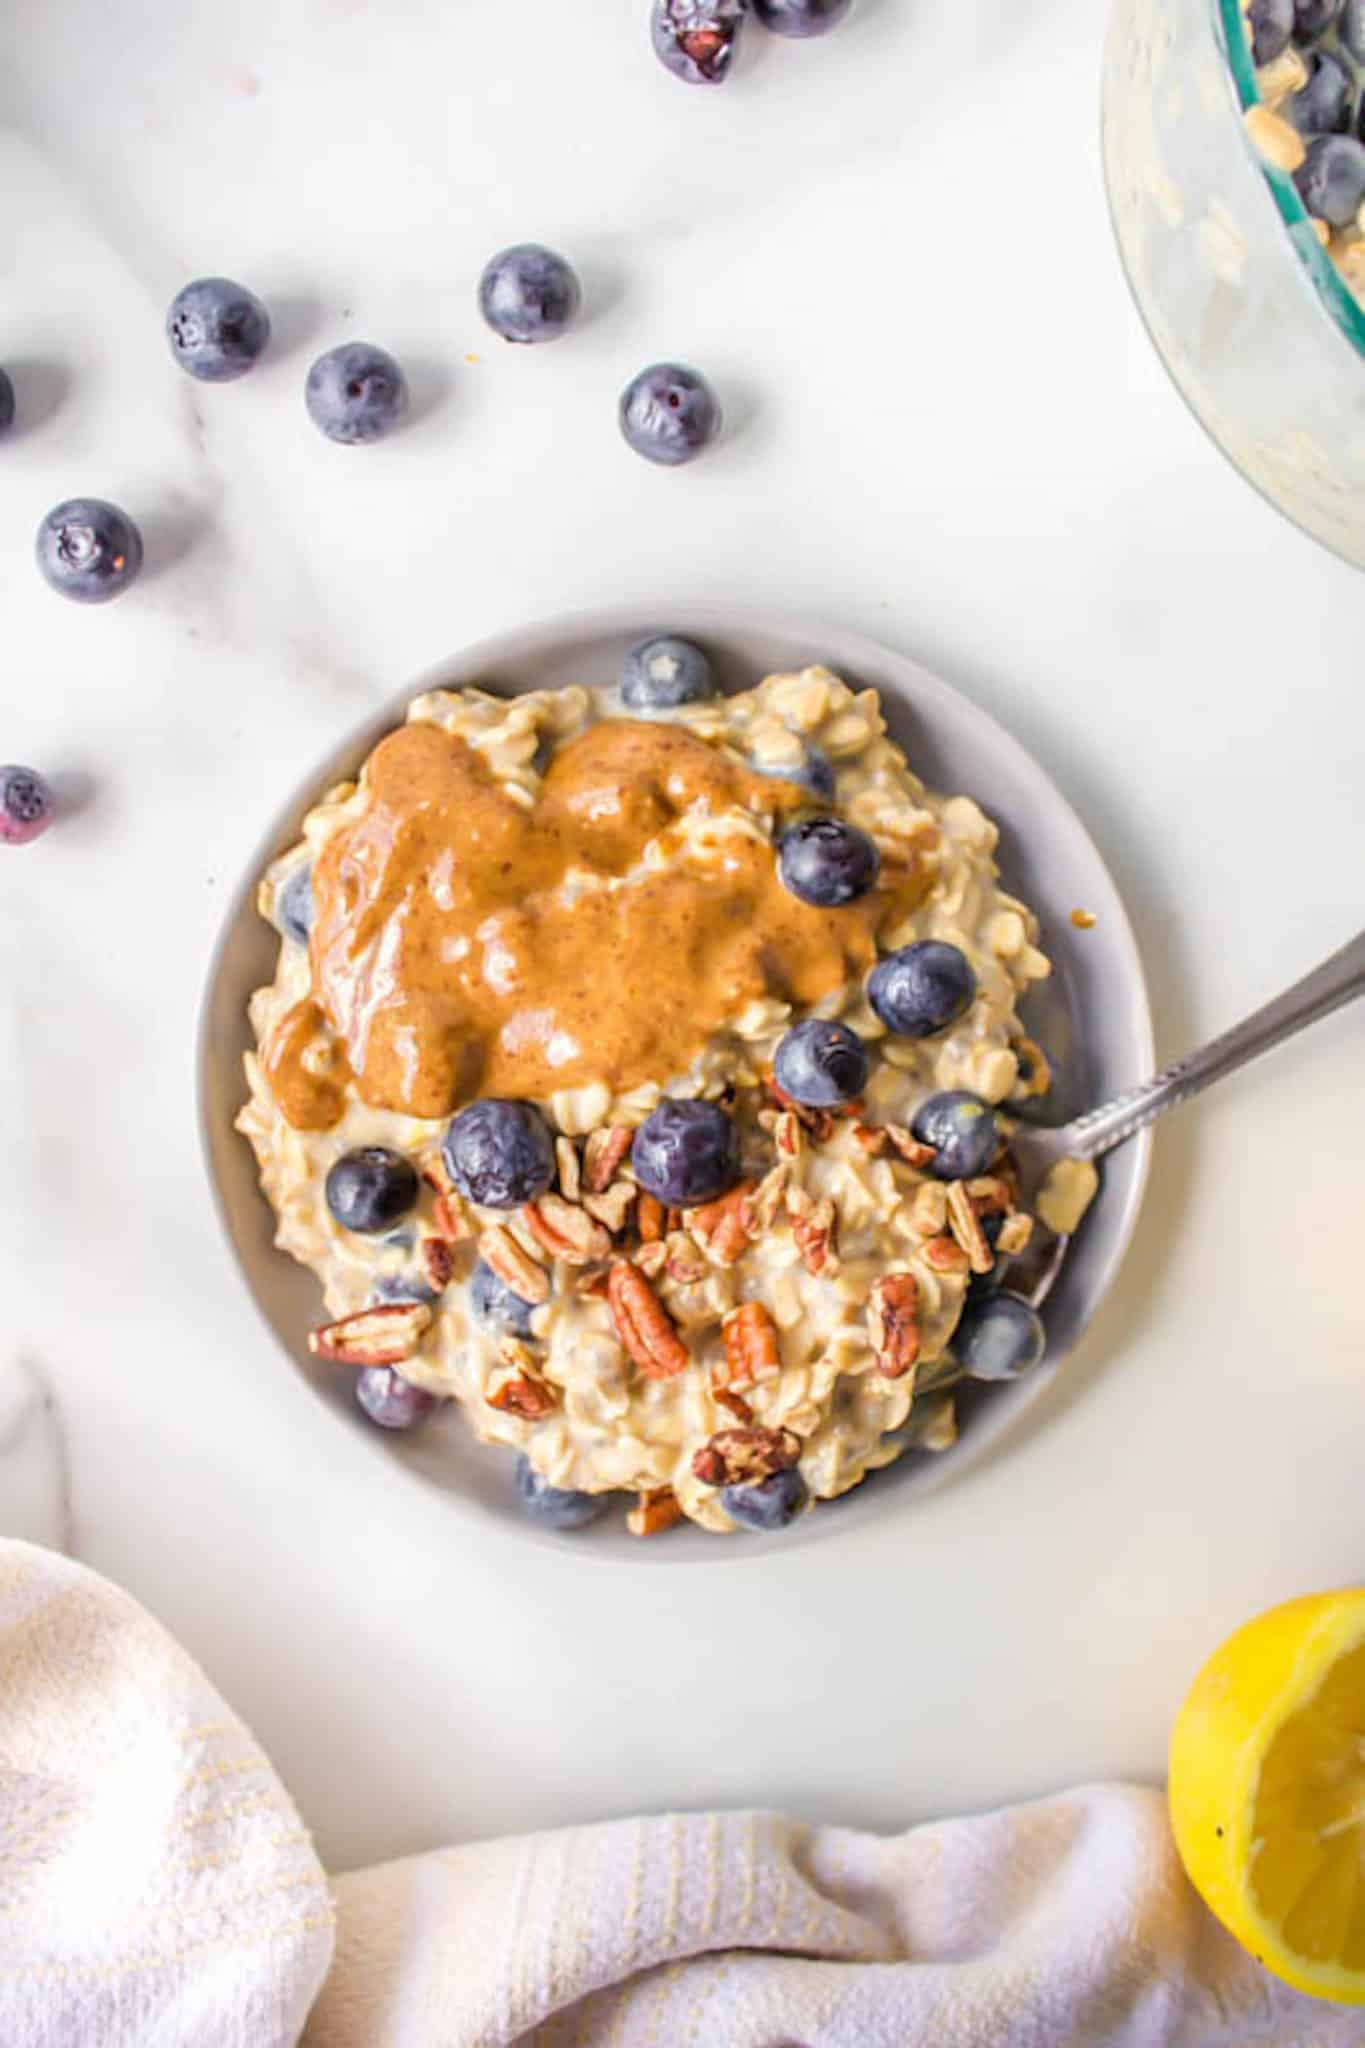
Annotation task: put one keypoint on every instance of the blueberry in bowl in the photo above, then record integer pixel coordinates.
(494, 1302)
(1000, 1337)
(663, 672)
(827, 862)
(370, 1189)
(500, 1154)
(962, 1130)
(821, 1064)
(768, 1505)
(89, 550)
(921, 989)
(217, 330)
(557, 1507)
(390, 1401)
(686, 1153)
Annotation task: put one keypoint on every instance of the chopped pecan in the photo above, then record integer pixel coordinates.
(649, 1216)
(513, 1266)
(787, 1135)
(570, 1173)
(746, 1457)
(945, 1255)
(990, 1194)
(929, 1209)
(1016, 1234)
(603, 1154)
(652, 1258)
(373, 1336)
(752, 1351)
(965, 1225)
(734, 1403)
(447, 1211)
(567, 1232)
(871, 1137)
(815, 1235)
(655, 1511)
(612, 1208)
(682, 1261)
(591, 1283)
(818, 1122)
(524, 1394)
(911, 1150)
(767, 1198)
(438, 1262)
(892, 1321)
(644, 1325)
(723, 1228)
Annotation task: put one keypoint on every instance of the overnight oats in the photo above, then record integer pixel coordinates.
(637, 1072)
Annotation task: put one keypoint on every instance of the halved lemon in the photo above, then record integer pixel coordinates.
(1267, 1790)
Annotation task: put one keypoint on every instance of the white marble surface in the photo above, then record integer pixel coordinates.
(891, 252)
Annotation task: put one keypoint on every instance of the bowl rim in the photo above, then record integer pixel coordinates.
(1009, 1408)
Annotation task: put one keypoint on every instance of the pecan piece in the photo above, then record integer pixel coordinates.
(767, 1198)
(735, 1404)
(746, 1457)
(871, 1138)
(723, 1228)
(373, 1336)
(892, 1321)
(603, 1154)
(815, 1235)
(752, 1351)
(448, 1211)
(566, 1231)
(526, 1395)
(612, 1208)
(644, 1325)
(649, 1215)
(787, 1135)
(965, 1225)
(911, 1150)
(655, 1511)
(683, 1263)
(818, 1122)
(652, 1258)
(438, 1262)
(945, 1255)
(929, 1209)
(513, 1266)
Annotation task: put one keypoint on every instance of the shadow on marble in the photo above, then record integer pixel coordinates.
(172, 527)
(430, 383)
(296, 319)
(604, 290)
(40, 390)
(77, 792)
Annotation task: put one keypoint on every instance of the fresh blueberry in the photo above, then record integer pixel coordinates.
(216, 329)
(500, 1154)
(999, 1338)
(922, 989)
(962, 1130)
(1331, 179)
(661, 673)
(89, 550)
(669, 413)
(493, 1300)
(686, 1153)
(827, 863)
(697, 39)
(402, 1287)
(801, 17)
(527, 293)
(6, 401)
(820, 1064)
(356, 393)
(1272, 24)
(1313, 18)
(556, 1506)
(772, 1504)
(26, 805)
(1351, 28)
(294, 905)
(391, 1401)
(1323, 106)
(370, 1189)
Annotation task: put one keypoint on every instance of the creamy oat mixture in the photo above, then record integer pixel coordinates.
(550, 899)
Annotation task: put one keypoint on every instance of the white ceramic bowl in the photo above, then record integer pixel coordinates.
(1092, 1018)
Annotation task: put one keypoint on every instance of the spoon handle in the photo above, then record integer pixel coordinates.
(1337, 981)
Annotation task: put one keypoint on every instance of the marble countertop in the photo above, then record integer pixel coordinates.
(891, 252)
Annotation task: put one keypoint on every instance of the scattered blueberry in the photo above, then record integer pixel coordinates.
(827, 863)
(26, 805)
(294, 905)
(500, 1154)
(391, 1401)
(402, 1287)
(772, 1504)
(686, 1153)
(801, 17)
(493, 1300)
(370, 1189)
(1271, 23)
(527, 293)
(669, 413)
(697, 39)
(821, 1064)
(1313, 18)
(962, 1130)
(556, 1506)
(356, 393)
(1323, 106)
(1331, 179)
(216, 329)
(1000, 1338)
(6, 401)
(664, 672)
(922, 989)
(89, 550)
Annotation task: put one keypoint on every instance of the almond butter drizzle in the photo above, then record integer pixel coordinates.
(466, 945)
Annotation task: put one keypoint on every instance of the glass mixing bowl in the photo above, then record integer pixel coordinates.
(1245, 307)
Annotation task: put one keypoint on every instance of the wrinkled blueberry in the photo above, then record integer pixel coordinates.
(801, 17)
(391, 1401)
(686, 1153)
(6, 401)
(697, 39)
(557, 1506)
(294, 905)
(370, 1189)
(1331, 179)
(821, 1064)
(999, 1338)
(922, 988)
(962, 1130)
(669, 413)
(827, 863)
(400, 1287)
(493, 1300)
(1323, 106)
(1271, 23)
(664, 672)
(529, 294)
(216, 329)
(89, 550)
(1313, 18)
(26, 805)
(500, 1154)
(356, 393)
(772, 1504)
